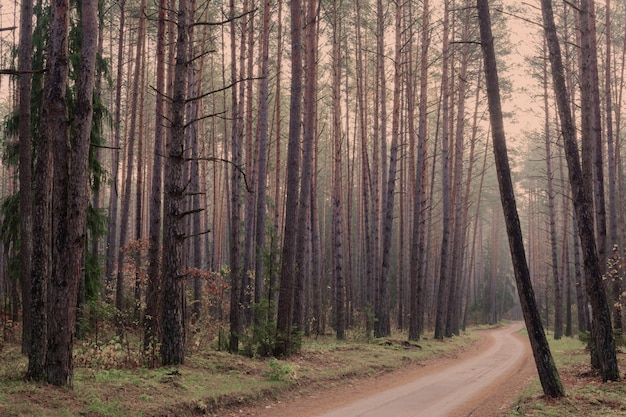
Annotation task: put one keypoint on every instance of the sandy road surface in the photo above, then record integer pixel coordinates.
(481, 382)
(443, 393)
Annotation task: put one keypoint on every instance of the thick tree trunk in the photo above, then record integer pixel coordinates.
(548, 374)
(287, 277)
(302, 264)
(601, 317)
(173, 340)
(58, 367)
(63, 288)
(151, 319)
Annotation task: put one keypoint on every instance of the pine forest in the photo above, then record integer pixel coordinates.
(247, 175)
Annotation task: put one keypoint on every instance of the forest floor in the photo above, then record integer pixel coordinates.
(112, 381)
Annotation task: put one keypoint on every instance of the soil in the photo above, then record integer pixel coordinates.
(495, 400)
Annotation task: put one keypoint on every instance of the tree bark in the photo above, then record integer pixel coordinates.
(548, 374)
(173, 340)
(558, 297)
(444, 279)
(261, 183)
(337, 233)
(302, 264)
(112, 244)
(416, 320)
(235, 216)
(151, 319)
(601, 317)
(25, 161)
(287, 277)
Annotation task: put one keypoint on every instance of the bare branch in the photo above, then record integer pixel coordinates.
(223, 22)
(188, 212)
(215, 159)
(226, 87)
(16, 72)
(115, 148)
(203, 117)
(198, 234)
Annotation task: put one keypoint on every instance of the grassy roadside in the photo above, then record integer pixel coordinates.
(586, 396)
(207, 382)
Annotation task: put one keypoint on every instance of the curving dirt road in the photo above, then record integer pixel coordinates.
(448, 391)
(481, 382)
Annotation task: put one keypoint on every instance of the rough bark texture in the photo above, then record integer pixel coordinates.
(548, 374)
(63, 287)
(302, 265)
(601, 318)
(151, 318)
(173, 341)
(287, 276)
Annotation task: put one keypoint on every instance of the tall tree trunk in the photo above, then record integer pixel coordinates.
(59, 131)
(139, 190)
(601, 318)
(614, 245)
(384, 321)
(126, 190)
(235, 216)
(261, 182)
(444, 279)
(565, 249)
(304, 206)
(366, 180)
(25, 161)
(379, 167)
(41, 273)
(416, 323)
(548, 374)
(588, 7)
(249, 218)
(151, 319)
(337, 233)
(558, 297)
(173, 340)
(194, 82)
(112, 245)
(287, 276)
(458, 234)
(63, 288)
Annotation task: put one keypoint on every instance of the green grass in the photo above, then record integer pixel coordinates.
(585, 396)
(208, 380)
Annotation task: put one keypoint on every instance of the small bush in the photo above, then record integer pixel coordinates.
(280, 371)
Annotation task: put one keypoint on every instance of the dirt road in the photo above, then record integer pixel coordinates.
(481, 382)
(446, 392)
